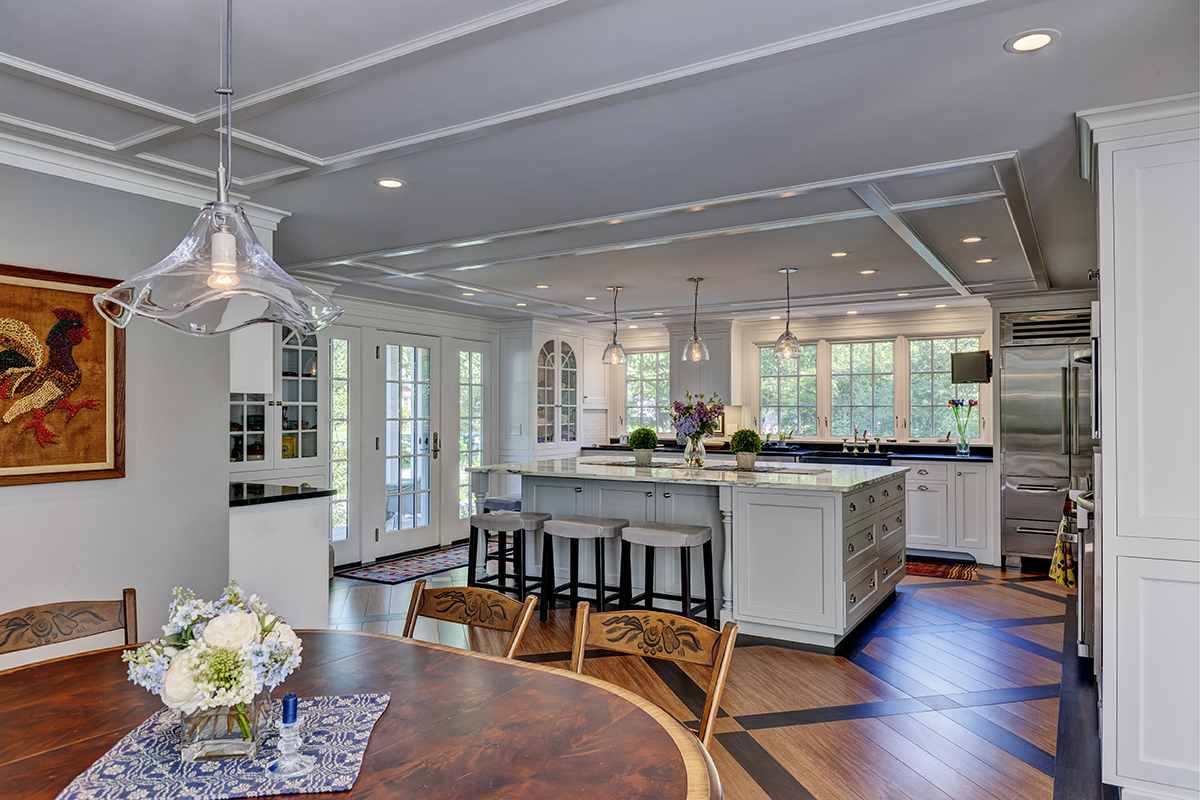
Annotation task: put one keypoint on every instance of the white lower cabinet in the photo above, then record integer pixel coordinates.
(929, 513)
(972, 506)
(950, 507)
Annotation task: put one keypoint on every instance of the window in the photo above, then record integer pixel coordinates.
(862, 388)
(648, 391)
(788, 392)
(408, 419)
(470, 425)
(930, 389)
(339, 438)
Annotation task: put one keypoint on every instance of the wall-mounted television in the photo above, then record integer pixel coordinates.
(971, 367)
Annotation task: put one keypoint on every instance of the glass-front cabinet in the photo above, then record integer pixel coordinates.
(556, 402)
(284, 429)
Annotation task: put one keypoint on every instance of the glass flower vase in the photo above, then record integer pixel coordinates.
(963, 447)
(225, 731)
(693, 452)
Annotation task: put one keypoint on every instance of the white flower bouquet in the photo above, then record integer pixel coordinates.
(223, 653)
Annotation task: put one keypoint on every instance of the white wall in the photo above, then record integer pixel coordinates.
(167, 522)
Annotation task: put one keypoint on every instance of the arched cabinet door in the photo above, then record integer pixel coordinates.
(546, 381)
(568, 405)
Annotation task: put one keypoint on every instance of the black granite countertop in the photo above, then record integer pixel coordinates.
(897, 451)
(253, 494)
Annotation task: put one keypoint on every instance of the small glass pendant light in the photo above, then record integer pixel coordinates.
(787, 345)
(614, 353)
(219, 278)
(695, 349)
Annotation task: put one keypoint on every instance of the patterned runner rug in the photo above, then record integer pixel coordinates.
(954, 570)
(412, 567)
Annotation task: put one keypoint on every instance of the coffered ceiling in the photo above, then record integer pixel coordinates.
(580, 143)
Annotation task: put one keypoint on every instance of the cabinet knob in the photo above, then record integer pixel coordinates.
(853, 599)
(922, 472)
(885, 528)
(923, 488)
(870, 537)
(959, 474)
(872, 583)
(850, 547)
(871, 498)
(579, 488)
(899, 559)
(885, 493)
(852, 506)
(666, 494)
(649, 494)
(899, 520)
(885, 572)
(899, 487)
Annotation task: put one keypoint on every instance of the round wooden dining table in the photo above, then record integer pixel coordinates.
(459, 725)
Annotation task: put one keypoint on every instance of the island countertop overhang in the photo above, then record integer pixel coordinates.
(830, 478)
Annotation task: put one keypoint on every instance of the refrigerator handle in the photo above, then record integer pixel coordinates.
(1066, 412)
(1074, 411)
(1095, 387)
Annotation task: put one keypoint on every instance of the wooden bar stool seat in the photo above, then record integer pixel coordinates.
(575, 529)
(518, 523)
(662, 534)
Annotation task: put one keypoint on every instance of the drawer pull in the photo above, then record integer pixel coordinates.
(922, 472)
(923, 488)
(851, 547)
(872, 583)
(885, 528)
(870, 537)
(885, 572)
(899, 487)
(885, 493)
(852, 506)
(899, 559)
(898, 520)
(959, 474)
(871, 498)
(579, 488)
(649, 494)
(853, 599)
(666, 494)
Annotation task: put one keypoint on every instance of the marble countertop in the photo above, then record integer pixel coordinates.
(831, 478)
(252, 494)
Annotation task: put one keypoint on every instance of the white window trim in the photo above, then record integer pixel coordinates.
(621, 385)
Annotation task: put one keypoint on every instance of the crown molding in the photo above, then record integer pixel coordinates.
(62, 163)
(1144, 118)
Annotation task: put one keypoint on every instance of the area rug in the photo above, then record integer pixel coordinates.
(954, 570)
(411, 567)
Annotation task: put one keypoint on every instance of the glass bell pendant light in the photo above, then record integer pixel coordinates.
(695, 349)
(787, 345)
(614, 353)
(219, 278)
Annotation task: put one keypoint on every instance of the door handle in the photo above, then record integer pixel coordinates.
(923, 488)
(437, 448)
(1075, 411)
(1036, 530)
(1033, 487)
(649, 494)
(666, 494)
(1066, 411)
(922, 472)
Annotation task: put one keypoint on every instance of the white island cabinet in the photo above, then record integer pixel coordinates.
(800, 554)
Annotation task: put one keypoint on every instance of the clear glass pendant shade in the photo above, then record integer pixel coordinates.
(613, 354)
(695, 349)
(787, 346)
(217, 280)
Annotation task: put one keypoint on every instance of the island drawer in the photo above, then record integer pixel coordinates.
(891, 568)
(863, 501)
(890, 492)
(891, 525)
(922, 471)
(861, 593)
(861, 547)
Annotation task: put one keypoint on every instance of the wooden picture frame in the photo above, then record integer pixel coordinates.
(62, 380)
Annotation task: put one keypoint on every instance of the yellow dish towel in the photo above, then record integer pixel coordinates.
(1062, 566)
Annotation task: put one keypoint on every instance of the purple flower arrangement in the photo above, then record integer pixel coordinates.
(697, 416)
(961, 419)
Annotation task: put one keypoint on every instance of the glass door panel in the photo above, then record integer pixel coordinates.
(298, 393)
(247, 430)
(546, 391)
(342, 429)
(568, 408)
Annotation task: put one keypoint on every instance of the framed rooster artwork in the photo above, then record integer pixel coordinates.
(62, 380)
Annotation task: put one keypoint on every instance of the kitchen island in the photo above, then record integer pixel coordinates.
(803, 552)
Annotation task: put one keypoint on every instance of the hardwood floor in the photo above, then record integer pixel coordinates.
(952, 692)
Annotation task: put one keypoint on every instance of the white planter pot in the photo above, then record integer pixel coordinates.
(643, 457)
(745, 460)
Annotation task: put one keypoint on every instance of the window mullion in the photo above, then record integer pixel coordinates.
(824, 389)
(901, 397)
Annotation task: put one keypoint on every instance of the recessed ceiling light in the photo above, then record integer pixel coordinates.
(866, 272)
(614, 221)
(633, 326)
(543, 286)
(520, 304)
(839, 254)
(697, 208)
(971, 239)
(1029, 41)
(468, 294)
(589, 298)
(940, 305)
(984, 260)
(789, 194)
(851, 312)
(658, 313)
(390, 183)
(903, 294)
(775, 317)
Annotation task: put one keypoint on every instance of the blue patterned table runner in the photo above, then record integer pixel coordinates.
(146, 762)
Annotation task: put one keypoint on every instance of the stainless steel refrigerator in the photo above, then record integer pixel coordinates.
(1045, 419)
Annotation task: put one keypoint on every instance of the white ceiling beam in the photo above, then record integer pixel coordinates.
(1020, 214)
(871, 196)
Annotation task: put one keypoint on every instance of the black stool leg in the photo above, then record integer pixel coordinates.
(600, 574)
(547, 587)
(574, 587)
(648, 597)
(519, 562)
(709, 604)
(472, 555)
(685, 578)
(502, 561)
(626, 574)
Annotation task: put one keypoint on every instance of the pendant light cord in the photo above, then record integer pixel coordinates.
(788, 325)
(225, 181)
(695, 310)
(615, 290)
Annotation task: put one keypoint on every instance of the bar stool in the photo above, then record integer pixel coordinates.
(503, 502)
(503, 523)
(661, 534)
(574, 529)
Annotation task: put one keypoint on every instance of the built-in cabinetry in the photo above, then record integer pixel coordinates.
(556, 369)
(1145, 164)
(950, 507)
(721, 374)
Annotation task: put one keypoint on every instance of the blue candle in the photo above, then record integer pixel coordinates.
(289, 708)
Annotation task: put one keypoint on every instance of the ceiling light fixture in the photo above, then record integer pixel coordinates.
(776, 316)
(468, 294)
(787, 345)
(219, 278)
(940, 305)
(1029, 41)
(614, 353)
(851, 312)
(971, 239)
(903, 294)
(866, 272)
(839, 254)
(984, 260)
(658, 313)
(543, 286)
(389, 183)
(589, 297)
(633, 326)
(695, 349)
(521, 305)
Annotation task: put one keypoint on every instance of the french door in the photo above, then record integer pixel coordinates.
(408, 494)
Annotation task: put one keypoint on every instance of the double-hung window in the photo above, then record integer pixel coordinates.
(930, 389)
(648, 391)
(788, 392)
(862, 381)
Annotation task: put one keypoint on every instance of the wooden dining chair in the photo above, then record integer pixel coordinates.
(658, 634)
(61, 622)
(470, 605)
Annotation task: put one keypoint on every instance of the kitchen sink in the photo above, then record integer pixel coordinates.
(875, 459)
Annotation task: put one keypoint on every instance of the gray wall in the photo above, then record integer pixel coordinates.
(167, 522)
